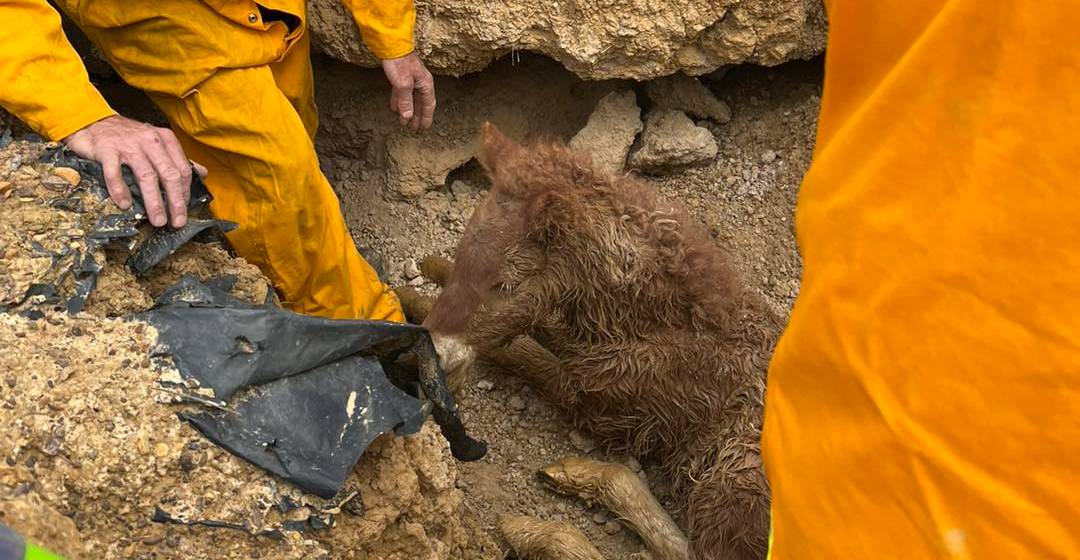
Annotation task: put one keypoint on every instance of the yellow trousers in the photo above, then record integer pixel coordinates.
(924, 399)
(252, 126)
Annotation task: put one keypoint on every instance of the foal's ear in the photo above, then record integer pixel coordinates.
(500, 156)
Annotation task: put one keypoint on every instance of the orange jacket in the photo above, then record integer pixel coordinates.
(924, 401)
(43, 81)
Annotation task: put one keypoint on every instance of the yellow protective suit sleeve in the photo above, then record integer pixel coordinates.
(386, 25)
(923, 400)
(42, 79)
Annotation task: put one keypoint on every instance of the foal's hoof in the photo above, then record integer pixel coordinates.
(533, 539)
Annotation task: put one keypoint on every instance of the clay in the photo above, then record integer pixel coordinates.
(596, 39)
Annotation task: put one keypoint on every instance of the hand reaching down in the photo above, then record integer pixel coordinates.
(156, 160)
(413, 98)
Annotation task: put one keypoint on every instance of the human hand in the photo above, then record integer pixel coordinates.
(154, 156)
(413, 98)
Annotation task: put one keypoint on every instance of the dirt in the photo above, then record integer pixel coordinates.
(91, 447)
(418, 502)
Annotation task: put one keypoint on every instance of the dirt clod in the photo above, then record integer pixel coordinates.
(671, 142)
(611, 130)
(69, 175)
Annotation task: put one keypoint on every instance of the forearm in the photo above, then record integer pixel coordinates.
(42, 79)
(387, 26)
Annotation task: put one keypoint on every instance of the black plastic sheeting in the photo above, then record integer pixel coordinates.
(305, 395)
(312, 428)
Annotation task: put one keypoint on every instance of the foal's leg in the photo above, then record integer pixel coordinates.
(618, 489)
(527, 359)
(533, 539)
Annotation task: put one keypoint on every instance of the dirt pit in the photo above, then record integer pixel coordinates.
(417, 502)
(746, 197)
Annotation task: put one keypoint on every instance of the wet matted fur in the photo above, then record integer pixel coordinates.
(617, 306)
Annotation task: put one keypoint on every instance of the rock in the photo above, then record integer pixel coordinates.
(599, 518)
(687, 94)
(611, 130)
(581, 442)
(458, 187)
(410, 269)
(485, 385)
(517, 403)
(414, 167)
(68, 174)
(636, 39)
(612, 527)
(672, 142)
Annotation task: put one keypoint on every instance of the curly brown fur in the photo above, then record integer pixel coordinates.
(631, 318)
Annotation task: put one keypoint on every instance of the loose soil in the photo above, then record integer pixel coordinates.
(90, 445)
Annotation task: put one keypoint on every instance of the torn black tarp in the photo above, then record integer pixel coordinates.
(159, 244)
(312, 428)
(165, 241)
(305, 395)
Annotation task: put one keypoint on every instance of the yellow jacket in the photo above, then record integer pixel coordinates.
(43, 81)
(923, 401)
